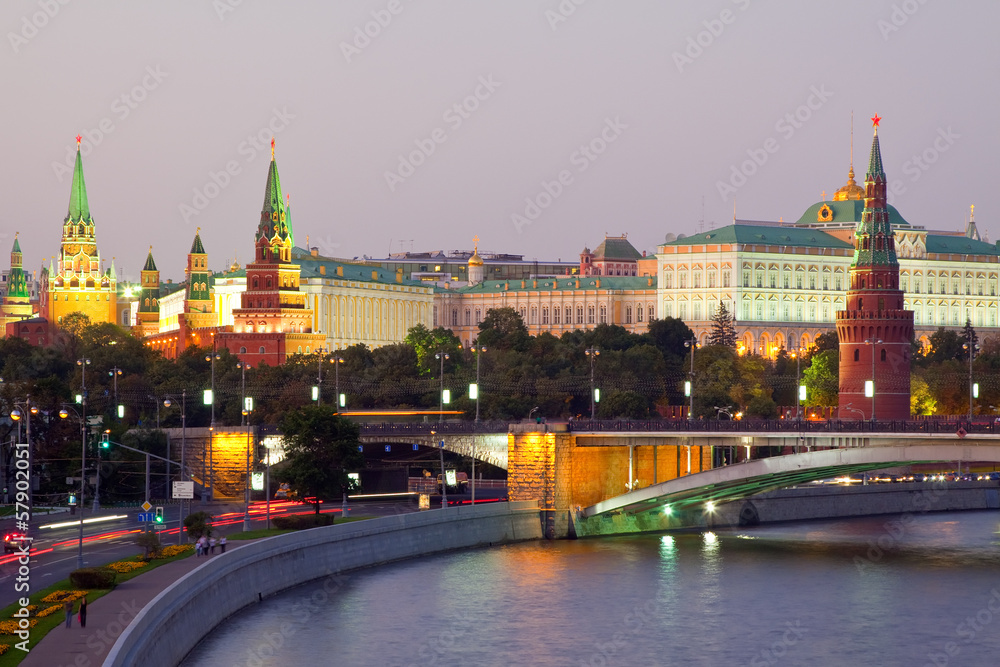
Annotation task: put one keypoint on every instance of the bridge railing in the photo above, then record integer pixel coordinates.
(443, 428)
(784, 426)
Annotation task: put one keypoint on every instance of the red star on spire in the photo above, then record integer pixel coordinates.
(272, 148)
(875, 119)
(78, 138)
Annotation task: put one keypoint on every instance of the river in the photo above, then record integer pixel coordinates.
(894, 591)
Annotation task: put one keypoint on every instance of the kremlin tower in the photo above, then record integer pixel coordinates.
(77, 283)
(148, 315)
(272, 322)
(874, 330)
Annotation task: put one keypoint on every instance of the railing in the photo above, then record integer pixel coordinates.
(441, 428)
(951, 426)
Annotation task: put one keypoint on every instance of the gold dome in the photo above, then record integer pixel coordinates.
(475, 260)
(850, 191)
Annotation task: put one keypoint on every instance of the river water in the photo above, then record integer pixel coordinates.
(908, 592)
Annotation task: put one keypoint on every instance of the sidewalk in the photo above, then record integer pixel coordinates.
(107, 617)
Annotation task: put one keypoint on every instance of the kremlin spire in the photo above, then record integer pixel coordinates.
(79, 207)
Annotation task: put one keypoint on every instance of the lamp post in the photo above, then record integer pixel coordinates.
(442, 355)
(16, 415)
(478, 349)
(114, 373)
(319, 379)
(167, 403)
(692, 343)
(242, 365)
(63, 414)
(971, 348)
(444, 480)
(873, 342)
(211, 429)
(798, 374)
(593, 353)
(247, 409)
(337, 360)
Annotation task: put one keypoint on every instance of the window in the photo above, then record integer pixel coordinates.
(760, 310)
(682, 280)
(857, 355)
(725, 278)
(628, 314)
(243, 350)
(784, 281)
(786, 312)
(555, 315)
(651, 313)
(638, 314)
(812, 281)
(697, 281)
(682, 312)
(798, 281)
(697, 310)
(261, 349)
(882, 355)
(468, 317)
(798, 312)
(711, 280)
(773, 280)
(579, 314)
(772, 310)
(667, 279)
(454, 317)
(479, 316)
(840, 283)
(604, 314)
(534, 315)
(590, 314)
(760, 279)
(826, 282)
(746, 279)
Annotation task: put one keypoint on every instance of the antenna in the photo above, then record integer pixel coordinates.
(852, 139)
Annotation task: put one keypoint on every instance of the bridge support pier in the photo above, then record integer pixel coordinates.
(564, 472)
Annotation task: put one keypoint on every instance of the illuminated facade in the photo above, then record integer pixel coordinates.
(77, 283)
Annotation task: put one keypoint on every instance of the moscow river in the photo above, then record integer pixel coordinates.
(903, 591)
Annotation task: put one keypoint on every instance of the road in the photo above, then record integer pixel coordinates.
(56, 546)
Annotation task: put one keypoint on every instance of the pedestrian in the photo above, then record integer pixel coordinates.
(68, 608)
(83, 613)
(204, 545)
(222, 543)
(197, 547)
(211, 545)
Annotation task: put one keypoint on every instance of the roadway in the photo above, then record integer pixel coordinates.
(55, 549)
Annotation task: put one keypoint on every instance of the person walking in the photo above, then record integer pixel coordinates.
(222, 543)
(197, 547)
(83, 613)
(211, 545)
(68, 608)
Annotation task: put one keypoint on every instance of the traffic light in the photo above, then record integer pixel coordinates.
(105, 440)
(159, 515)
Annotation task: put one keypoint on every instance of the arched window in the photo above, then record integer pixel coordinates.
(261, 349)
(882, 357)
(243, 350)
(256, 282)
(857, 355)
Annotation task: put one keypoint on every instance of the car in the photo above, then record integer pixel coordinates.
(12, 541)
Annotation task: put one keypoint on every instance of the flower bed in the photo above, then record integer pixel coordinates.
(62, 596)
(47, 611)
(174, 550)
(125, 566)
(11, 626)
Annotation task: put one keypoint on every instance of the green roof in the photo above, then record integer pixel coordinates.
(17, 246)
(845, 212)
(310, 268)
(274, 204)
(196, 247)
(613, 249)
(562, 284)
(17, 282)
(960, 245)
(79, 207)
(150, 264)
(765, 234)
(875, 160)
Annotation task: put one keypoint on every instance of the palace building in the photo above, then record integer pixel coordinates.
(785, 282)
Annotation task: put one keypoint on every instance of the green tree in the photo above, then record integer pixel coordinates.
(669, 336)
(427, 342)
(822, 379)
(922, 402)
(723, 328)
(198, 524)
(503, 328)
(969, 339)
(945, 345)
(321, 447)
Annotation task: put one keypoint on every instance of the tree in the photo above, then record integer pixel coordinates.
(723, 328)
(945, 345)
(503, 328)
(320, 448)
(198, 524)
(426, 342)
(922, 402)
(969, 338)
(669, 336)
(822, 379)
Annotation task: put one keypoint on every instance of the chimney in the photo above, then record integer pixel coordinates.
(340, 271)
(314, 252)
(534, 284)
(374, 275)
(598, 283)
(399, 275)
(322, 269)
(523, 284)
(649, 281)
(578, 283)
(506, 286)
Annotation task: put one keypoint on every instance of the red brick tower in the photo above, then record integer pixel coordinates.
(875, 331)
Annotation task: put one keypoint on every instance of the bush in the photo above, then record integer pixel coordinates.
(302, 521)
(93, 577)
(198, 524)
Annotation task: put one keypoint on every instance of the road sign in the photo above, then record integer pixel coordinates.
(257, 481)
(145, 517)
(183, 490)
(159, 526)
(146, 506)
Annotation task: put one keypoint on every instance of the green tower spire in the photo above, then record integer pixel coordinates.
(79, 207)
(150, 264)
(274, 221)
(875, 246)
(17, 283)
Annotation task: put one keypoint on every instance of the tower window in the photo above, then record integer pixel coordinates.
(857, 355)
(882, 355)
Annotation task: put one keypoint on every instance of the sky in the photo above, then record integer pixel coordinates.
(537, 125)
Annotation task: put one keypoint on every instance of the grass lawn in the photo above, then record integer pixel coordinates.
(13, 656)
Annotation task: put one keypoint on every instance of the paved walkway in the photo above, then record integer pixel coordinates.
(107, 617)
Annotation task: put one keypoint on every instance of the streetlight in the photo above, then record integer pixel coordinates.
(16, 415)
(873, 343)
(242, 365)
(689, 385)
(340, 399)
(444, 479)
(797, 355)
(971, 348)
(167, 403)
(247, 409)
(441, 356)
(211, 429)
(63, 414)
(114, 373)
(478, 349)
(593, 353)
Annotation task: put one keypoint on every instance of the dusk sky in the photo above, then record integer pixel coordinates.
(537, 125)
